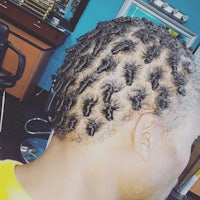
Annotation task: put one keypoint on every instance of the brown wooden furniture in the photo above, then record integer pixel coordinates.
(196, 188)
(37, 55)
(192, 167)
(35, 37)
(32, 23)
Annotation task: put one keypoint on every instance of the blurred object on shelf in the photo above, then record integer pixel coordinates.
(172, 12)
(41, 7)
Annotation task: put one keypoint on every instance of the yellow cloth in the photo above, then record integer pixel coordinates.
(10, 189)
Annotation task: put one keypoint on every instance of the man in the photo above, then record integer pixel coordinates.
(125, 117)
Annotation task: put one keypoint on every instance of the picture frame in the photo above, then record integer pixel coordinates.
(73, 12)
(140, 9)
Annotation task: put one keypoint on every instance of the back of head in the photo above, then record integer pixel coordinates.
(126, 64)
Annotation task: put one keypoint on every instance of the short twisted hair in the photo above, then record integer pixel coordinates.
(124, 64)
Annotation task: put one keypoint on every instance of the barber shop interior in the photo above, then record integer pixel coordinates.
(35, 38)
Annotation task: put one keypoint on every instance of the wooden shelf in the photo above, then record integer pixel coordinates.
(31, 23)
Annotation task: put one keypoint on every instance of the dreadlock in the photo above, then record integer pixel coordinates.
(122, 64)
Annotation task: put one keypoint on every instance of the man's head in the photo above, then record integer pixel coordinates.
(123, 65)
(130, 78)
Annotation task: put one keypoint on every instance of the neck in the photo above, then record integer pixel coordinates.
(70, 171)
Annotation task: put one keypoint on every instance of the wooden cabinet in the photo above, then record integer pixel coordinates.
(43, 30)
(35, 37)
(37, 55)
(196, 188)
(6, 6)
(31, 23)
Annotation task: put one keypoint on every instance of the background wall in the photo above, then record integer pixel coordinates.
(96, 11)
(100, 10)
(191, 9)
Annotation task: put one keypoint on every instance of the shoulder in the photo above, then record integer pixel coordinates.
(8, 164)
(10, 189)
(7, 169)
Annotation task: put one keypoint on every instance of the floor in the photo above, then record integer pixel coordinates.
(16, 113)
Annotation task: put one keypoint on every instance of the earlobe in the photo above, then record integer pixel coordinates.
(143, 134)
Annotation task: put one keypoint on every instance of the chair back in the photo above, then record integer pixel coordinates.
(4, 32)
(8, 79)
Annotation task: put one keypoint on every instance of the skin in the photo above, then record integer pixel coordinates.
(141, 161)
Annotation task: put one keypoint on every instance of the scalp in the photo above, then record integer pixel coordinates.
(124, 64)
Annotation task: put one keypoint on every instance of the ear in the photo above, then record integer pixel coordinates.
(144, 134)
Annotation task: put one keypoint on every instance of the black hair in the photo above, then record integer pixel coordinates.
(117, 56)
